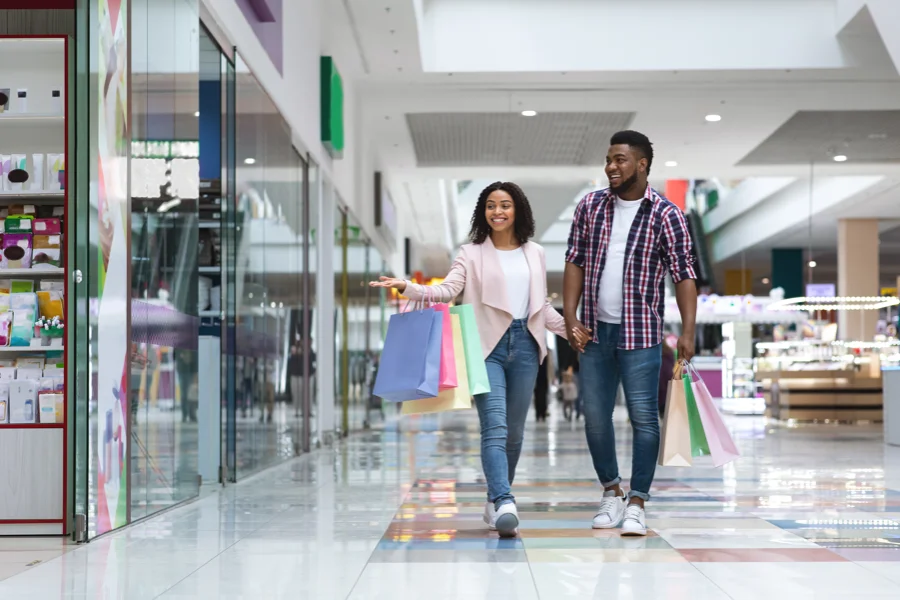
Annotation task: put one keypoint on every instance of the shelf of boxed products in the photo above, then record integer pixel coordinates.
(32, 393)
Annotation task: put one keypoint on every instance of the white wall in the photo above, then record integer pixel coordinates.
(579, 35)
(308, 35)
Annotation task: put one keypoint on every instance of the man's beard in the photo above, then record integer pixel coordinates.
(625, 185)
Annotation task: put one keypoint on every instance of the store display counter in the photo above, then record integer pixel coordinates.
(891, 384)
(822, 395)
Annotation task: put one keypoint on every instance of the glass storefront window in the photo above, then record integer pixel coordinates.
(271, 329)
(162, 381)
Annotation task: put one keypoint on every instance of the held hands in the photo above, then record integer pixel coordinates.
(389, 283)
(578, 335)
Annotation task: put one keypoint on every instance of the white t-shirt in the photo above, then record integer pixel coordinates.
(518, 281)
(610, 297)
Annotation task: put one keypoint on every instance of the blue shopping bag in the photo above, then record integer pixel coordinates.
(410, 363)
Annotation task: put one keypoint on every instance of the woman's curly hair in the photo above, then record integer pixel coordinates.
(524, 221)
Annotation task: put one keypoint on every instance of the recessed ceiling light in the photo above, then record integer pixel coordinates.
(529, 113)
(813, 264)
(840, 158)
(713, 118)
(197, 114)
(765, 280)
(671, 163)
(249, 161)
(878, 136)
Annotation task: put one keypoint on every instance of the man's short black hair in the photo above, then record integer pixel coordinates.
(636, 140)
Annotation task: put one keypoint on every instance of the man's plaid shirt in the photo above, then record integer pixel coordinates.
(659, 242)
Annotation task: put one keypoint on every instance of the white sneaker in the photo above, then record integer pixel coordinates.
(507, 520)
(634, 524)
(612, 509)
(490, 516)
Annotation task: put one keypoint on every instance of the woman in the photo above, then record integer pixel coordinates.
(504, 277)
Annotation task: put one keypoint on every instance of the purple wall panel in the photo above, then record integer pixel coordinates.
(265, 17)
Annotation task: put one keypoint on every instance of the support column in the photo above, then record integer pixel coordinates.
(858, 275)
(788, 271)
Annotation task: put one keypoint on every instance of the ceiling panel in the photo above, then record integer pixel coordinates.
(864, 136)
(509, 139)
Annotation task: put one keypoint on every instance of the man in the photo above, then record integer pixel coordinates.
(623, 241)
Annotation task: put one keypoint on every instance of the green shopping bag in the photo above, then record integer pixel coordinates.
(477, 370)
(699, 444)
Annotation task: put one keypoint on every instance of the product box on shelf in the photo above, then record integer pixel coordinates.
(4, 402)
(23, 401)
(51, 407)
(16, 251)
(46, 252)
(56, 173)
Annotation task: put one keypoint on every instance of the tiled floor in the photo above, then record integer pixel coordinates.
(808, 512)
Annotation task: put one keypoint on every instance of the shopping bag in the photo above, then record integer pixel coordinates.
(406, 372)
(722, 448)
(449, 377)
(699, 445)
(477, 370)
(675, 439)
(456, 398)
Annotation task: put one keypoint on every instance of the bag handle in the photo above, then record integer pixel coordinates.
(680, 367)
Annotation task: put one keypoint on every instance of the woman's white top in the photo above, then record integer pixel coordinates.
(518, 281)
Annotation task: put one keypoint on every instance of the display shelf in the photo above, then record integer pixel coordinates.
(32, 425)
(28, 117)
(205, 314)
(56, 272)
(209, 270)
(38, 198)
(30, 349)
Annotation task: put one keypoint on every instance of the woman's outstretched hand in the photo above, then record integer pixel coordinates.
(389, 282)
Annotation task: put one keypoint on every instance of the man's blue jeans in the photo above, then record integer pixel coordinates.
(603, 365)
(512, 371)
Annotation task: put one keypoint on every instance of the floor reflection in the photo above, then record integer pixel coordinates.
(395, 512)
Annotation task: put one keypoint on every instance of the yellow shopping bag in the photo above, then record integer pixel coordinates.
(457, 398)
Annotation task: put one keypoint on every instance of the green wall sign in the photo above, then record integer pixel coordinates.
(332, 91)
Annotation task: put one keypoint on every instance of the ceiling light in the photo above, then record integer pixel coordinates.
(713, 118)
(529, 113)
(840, 158)
(249, 161)
(765, 280)
(197, 114)
(671, 163)
(813, 264)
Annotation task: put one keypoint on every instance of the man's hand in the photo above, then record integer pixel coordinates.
(686, 347)
(578, 334)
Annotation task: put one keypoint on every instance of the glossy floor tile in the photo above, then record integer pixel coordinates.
(808, 512)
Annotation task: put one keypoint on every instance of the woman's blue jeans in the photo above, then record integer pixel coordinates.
(512, 371)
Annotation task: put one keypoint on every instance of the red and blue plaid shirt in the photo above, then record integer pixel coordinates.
(659, 241)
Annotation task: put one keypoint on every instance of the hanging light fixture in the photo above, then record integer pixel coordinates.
(812, 303)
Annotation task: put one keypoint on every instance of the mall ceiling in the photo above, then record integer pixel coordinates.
(508, 139)
(869, 136)
(432, 126)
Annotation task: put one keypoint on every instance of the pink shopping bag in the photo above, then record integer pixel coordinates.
(722, 448)
(448, 379)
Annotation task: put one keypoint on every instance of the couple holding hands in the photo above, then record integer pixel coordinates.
(623, 242)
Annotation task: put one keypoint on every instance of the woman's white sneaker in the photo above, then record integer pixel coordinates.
(634, 523)
(507, 520)
(612, 509)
